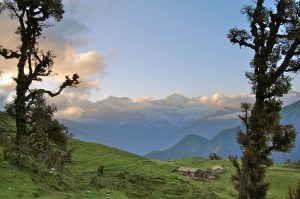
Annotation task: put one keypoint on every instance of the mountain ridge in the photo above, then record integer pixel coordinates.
(157, 129)
(197, 146)
(224, 143)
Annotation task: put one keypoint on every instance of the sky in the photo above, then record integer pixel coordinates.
(154, 48)
(144, 48)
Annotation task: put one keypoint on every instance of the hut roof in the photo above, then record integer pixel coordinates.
(216, 167)
(187, 169)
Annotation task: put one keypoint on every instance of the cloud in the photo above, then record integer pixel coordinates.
(7, 85)
(142, 100)
(65, 39)
(175, 108)
(220, 100)
(6, 82)
(290, 98)
(72, 113)
(88, 65)
(2, 101)
(8, 39)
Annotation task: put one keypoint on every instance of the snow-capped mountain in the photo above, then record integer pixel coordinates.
(146, 124)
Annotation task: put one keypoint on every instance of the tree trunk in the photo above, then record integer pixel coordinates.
(20, 114)
(253, 175)
(244, 191)
(21, 89)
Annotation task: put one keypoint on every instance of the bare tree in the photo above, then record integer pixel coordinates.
(33, 64)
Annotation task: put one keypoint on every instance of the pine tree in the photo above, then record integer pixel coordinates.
(274, 36)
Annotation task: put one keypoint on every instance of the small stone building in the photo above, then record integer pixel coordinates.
(190, 172)
(217, 169)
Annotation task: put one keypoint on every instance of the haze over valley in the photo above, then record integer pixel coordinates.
(141, 126)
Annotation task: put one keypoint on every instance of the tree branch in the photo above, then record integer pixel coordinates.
(43, 67)
(254, 21)
(9, 54)
(276, 20)
(294, 66)
(29, 65)
(285, 64)
(67, 83)
(237, 36)
(243, 43)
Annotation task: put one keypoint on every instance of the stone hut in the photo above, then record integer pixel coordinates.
(217, 169)
(190, 172)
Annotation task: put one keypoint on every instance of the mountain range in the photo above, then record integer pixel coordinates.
(224, 143)
(144, 125)
(192, 145)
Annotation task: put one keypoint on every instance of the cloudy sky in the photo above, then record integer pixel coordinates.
(142, 48)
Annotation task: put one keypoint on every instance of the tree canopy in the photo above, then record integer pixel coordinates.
(274, 36)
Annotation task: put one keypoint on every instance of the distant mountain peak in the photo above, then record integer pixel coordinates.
(177, 98)
(193, 136)
(294, 93)
(176, 95)
(113, 98)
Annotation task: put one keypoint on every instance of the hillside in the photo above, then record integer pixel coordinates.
(123, 135)
(207, 127)
(211, 125)
(125, 176)
(157, 124)
(189, 146)
(224, 144)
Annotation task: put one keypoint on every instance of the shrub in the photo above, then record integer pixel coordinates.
(45, 146)
(294, 193)
(214, 156)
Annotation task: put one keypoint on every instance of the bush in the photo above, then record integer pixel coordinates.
(97, 182)
(294, 193)
(45, 146)
(214, 156)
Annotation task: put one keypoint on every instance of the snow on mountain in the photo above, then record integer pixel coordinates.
(175, 108)
(142, 125)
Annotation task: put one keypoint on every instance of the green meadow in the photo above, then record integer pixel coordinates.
(125, 176)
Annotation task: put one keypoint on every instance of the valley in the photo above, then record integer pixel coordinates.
(161, 129)
(126, 175)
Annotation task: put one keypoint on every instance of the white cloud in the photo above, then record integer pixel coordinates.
(71, 113)
(6, 82)
(180, 112)
(220, 100)
(142, 100)
(64, 39)
(175, 108)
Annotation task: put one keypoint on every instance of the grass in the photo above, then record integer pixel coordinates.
(280, 177)
(126, 176)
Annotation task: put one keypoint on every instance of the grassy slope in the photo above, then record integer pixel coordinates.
(280, 177)
(125, 176)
